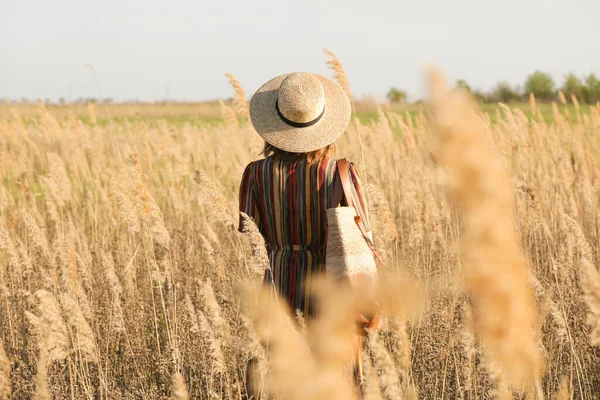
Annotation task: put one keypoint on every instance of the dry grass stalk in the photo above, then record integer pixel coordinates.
(402, 347)
(52, 339)
(575, 102)
(5, 372)
(382, 222)
(259, 262)
(212, 196)
(38, 238)
(178, 387)
(565, 392)
(12, 256)
(332, 339)
(228, 114)
(532, 104)
(385, 363)
(213, 343)
(128, 211)
(400, 296)
(501, 389)
(147, 209)
(240, 105)
(68, 273)
(59, 179)
(289, 355)
(213, 311)
(339, 75)
(495, 273)
(580, 241)
(191, 314)
(92, 112)
(590, 284)
(26, 267)
(561, 97)
(467, 341)
(82, 336)
(47, 119)
(6, 200)
(525, 188)
(50, 327)
(116, 320)
(371, 390)
(257, 353)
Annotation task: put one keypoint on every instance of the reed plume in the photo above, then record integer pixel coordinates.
(385, 363)
(38, 238)
(59, 179)
(92, 112)
(5, 372)
(564, 390)
(212, 196)
(146, 207)
(495, 272)
(48, 121)
(52, 339)
(259, 262)
(290, 358)
(228, 114)
(82, 336)
(339, 75)
(116, 320)
(580, 241)
(213, 311)
(590, 284)
(382, 222)
(240, 105)
(178, 387)
(12, 256)
(213, 343)
(561, 97)
(372, 390)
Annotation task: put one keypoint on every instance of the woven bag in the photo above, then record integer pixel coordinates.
(350, 251)
(350, 257)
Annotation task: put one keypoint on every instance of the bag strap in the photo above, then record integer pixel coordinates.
(344, 174)
(343, 189)
(338, 189)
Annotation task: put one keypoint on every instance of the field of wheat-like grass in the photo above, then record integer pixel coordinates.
(123, 275)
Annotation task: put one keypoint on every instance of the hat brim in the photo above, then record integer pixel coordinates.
(268, 124)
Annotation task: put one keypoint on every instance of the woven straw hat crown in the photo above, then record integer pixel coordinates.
(301, 97)
(300, 112)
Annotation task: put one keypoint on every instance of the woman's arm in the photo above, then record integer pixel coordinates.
(248, 203)
(359, 198)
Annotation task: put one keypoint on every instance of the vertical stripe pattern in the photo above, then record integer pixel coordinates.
(288, 202)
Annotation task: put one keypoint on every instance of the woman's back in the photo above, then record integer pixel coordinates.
(288, 201)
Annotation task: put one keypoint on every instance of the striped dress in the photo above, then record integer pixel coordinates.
(288, 202)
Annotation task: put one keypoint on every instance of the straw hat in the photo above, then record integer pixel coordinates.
(300, 112)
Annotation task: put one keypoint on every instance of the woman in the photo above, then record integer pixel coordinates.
(300, 116)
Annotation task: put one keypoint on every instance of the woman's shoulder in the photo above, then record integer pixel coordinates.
(350, 163)
(255, 164)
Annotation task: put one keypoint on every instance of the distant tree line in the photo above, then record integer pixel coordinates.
(541, 84)
(62, 101)
(543, 87)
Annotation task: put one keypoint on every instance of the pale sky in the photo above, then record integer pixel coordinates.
(140, 47)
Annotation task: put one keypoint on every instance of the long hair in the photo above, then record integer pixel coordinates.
(311, 157)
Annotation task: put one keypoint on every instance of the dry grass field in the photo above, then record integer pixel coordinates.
(122, 274)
